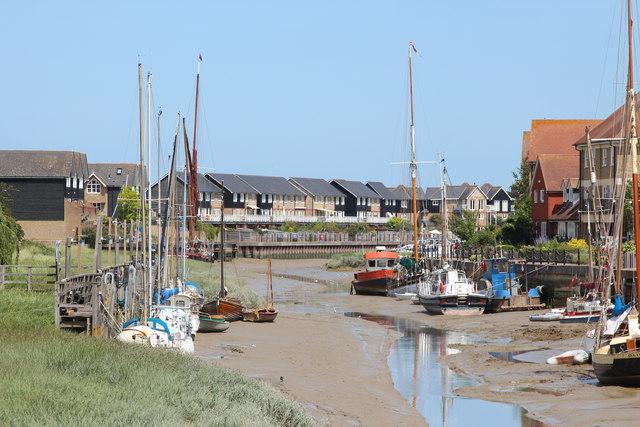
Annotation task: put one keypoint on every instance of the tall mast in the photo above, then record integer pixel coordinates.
(159, 185)
(193, 185)
(148, 190)
(633, 140)
(141, 184)
(445, 214)
(412, 165)
(221, 295)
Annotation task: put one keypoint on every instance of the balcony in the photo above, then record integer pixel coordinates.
(279, 219)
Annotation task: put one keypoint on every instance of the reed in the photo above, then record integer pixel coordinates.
(345, 260)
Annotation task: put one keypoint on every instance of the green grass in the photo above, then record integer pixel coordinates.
(345, 260)
(54, 377)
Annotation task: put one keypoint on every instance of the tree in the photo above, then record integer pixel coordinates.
(358, 227)
(398, 223)
(518, 228)
(465, 226)
(11, 233)
(436, 220)
(128, 204)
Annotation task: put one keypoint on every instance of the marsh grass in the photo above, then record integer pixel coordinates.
(54, 377)
(345, 260)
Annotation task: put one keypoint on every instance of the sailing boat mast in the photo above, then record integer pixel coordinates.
(193, 173)
(147, 183)
(633, 140)
(412, 165)
(141, 185)
(445, 214)
(222, 292)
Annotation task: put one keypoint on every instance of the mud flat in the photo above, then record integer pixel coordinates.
(336, 366)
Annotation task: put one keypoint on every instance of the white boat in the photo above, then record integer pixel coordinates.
(546, 317)
(406, 296)
(449, 291)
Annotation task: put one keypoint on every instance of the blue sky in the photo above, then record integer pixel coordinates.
(309, 88)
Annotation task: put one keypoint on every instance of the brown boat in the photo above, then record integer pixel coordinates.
(230, 308)
(267, 314)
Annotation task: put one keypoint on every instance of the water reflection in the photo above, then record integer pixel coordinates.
(429, 386)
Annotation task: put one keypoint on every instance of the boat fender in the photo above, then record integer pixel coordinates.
(441, 287)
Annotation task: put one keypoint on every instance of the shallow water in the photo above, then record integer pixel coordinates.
(429, 386)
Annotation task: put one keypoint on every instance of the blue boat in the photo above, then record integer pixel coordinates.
(500, 283)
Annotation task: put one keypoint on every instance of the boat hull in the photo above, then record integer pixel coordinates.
(494, 305)
(213, 324)
(453, 304)
(231, 309)
(262, 315)
(581, 318)
(617, 369)
(374, 282)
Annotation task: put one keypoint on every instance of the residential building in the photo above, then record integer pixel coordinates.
(321, 198)
(240, 198)
(606, 163)
(360, 200)
(47, 191)
(547, 191)
(565, 217)
(209, 196)
(499, 203)
(460, 198)
(104, 184)
(404, 202)
(275, 196)
(388, 201)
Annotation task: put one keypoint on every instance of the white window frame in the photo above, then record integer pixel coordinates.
(535, 196)
(541, 196)
(605, 154)
(92, 186)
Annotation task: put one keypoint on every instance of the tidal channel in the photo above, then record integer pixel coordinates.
(413, 359)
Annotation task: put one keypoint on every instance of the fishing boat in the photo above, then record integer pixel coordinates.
(380, 275)
(500, 284)
(449, 291)
(584, 309)
(268, 313)
(616, 353)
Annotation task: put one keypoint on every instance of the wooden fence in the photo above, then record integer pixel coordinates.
(34, 277)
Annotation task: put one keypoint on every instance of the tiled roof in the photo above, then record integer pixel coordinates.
(611, 127)
(555, 167)
(403, 193)
(382, 191)
(553, 137)
(317, 187)
(356, 188)
(108, 174)
(42, 164)
(565, 212)
(232, 182)
(271, 185)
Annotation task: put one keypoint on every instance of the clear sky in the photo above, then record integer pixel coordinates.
(309, 88)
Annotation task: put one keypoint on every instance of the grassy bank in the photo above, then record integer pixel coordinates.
(54, 377)
(345, 260)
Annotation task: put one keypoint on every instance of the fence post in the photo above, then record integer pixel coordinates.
(1, 276)
(29, 275)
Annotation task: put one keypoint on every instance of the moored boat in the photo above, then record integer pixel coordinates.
(380, 275)
(212, 323)
(267, 314)
(449, 291)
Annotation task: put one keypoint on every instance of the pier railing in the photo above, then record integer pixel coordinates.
(32, 277)
(280, 219)
(381, 237)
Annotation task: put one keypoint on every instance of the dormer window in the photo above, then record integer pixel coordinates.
(119, 171)
(93, 186)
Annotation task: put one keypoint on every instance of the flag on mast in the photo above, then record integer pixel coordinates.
(414, 48)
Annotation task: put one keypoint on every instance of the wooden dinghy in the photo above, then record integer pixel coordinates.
(230, 308)
(267, 314)
(212, 323)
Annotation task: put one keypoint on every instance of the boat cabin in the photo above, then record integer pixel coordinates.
(381, 260)
(501, 273)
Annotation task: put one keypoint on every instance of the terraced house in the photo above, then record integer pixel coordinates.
(321, 198)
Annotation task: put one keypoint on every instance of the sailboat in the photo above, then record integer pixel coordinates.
(616, 352)
(267, 314)
(448, 290)
(230, 308)
(386, 273)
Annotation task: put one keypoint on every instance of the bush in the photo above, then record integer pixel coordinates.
(345, 260)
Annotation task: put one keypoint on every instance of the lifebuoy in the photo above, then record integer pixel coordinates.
(441, 287)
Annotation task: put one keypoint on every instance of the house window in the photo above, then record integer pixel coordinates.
(605, 154)
(119, 171)
(242, 197)
(207, 197)
(586, 158)
(235, 197)
(403, 204)
(480, 204)
(264, 198)
(541, 196)
(505, 206)
(535, 196)
(480, 216)
(613, 156)
(594, 157)
(97, 206)
(435, 202)
(269, 198)
(93, 187)
(472, 204)
(200, 196)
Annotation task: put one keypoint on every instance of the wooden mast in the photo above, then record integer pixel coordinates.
(222, 255)
(141, 188)
(633, 140)
(412, 164)
(193, 173)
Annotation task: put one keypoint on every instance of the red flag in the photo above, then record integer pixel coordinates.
(414, 48)
(200, 57)
(573, 281)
